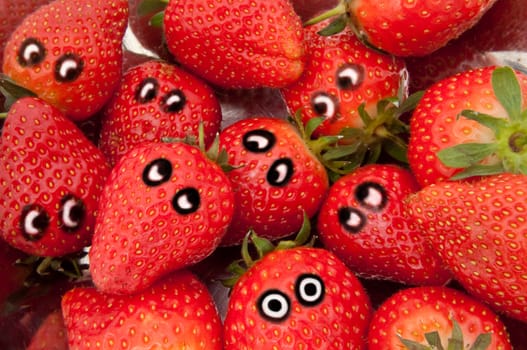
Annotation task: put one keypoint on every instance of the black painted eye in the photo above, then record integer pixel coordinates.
(34, 222)
(71, 214)
(350, 76)
(309, 289)
(259, 141)
(186, 201)
(371, 195)
(147, 90)
(157, 172)
(324, 105)
(280, 172)
(274, 305)
(68, 68)
(352, 219)
(174, 101)
(31, 52)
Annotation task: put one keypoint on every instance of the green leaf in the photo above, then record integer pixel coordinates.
(491, 122)
(465, 154)
(434, 340)
(482, 342)
(311, 125)
(336, 26)
(147, 7)
(340, 152)
(507, 90)
(397, 150)
(455, 342)
(411, 102)
(412, 345)
(157, 19)
(479, 170)
(338, 10)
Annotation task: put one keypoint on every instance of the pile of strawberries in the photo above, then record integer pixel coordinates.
(262, 174)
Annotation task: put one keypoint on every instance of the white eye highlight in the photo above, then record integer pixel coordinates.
(324, 105)
(274, 305)
(309, 289)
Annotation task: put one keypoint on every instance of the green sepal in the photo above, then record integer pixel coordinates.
(491, 122)
(146, 7)
(336, 26)
(479, 170)
(336, 11)
(464, 155)
(413, 345)
(482, 342)
(508, 91)
(12, 91)
(157, 19)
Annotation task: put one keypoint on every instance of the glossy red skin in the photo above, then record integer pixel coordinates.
(412, 312)
(139, 236)
(44, 158)
(127, 121)
(338, 321)
(93, 31)
(265, 46)
(326, 56)
(176, 312)
(272, 211)
(388, 245)
(478, 229)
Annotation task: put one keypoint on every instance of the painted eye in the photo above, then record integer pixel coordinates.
(274, 305)
(324, 105)
(352, 219)
(157, 172)
(174, 101)
(71, 213)
(31, 52)
(259, 141)
(309, 289)
(371, 195)
(280, 172)
(186, 201)
(350, 76)
(68, 68)
(147, 90)
(34, 222)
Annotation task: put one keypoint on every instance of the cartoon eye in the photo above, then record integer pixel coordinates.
(280, 172)
(147, 90)
(259, 141)
(371, 195)
(324, 105)
(274, 305)
(174, 101)
(71, 213)
(34, 222)
(31, 52)
(309, 289)
(157, 172)
(186, 201)
(68, 68)
(352, 219)
(350, 76)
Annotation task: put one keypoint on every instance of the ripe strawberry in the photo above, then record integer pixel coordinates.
(157, 100)
(428, 317)
(297, 298)
(50, 181)
(478, 228)
(165, 206)
(176, 312)
(236, 44)
(364, 222)
(51, 334)
(469, 124)
(276, 178)
(69, 55)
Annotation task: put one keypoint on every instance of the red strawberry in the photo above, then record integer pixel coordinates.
(176, 312)
(297, 298)
(364, 222)
(276, 178)
(164, 207)
(426, 318)
(237, 44)
(51, 334)
(157, 100)
(50, 181)
(68, 54)
(478, 228)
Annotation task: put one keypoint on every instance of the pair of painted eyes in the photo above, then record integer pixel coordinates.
(275, 306)
(35, 220)
(349, 77)
(68, 66)
(369, 195)
(172, 102)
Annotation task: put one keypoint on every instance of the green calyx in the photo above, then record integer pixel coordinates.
(12, 91)
(153, 8)
(510, 135)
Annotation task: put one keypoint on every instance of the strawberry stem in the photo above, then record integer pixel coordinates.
(340, 9)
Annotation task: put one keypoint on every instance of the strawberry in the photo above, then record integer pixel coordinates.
(157, 100)
(432, 317)
(51, 334)
(69, 55)
(177, 312)
(411, 28)
(50, 180)
(478, 229)
(468, 125)
(165, 206)
(236, 44)
(276, 178)
(364, 222)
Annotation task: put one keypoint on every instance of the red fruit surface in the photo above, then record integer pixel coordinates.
(51, 334)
